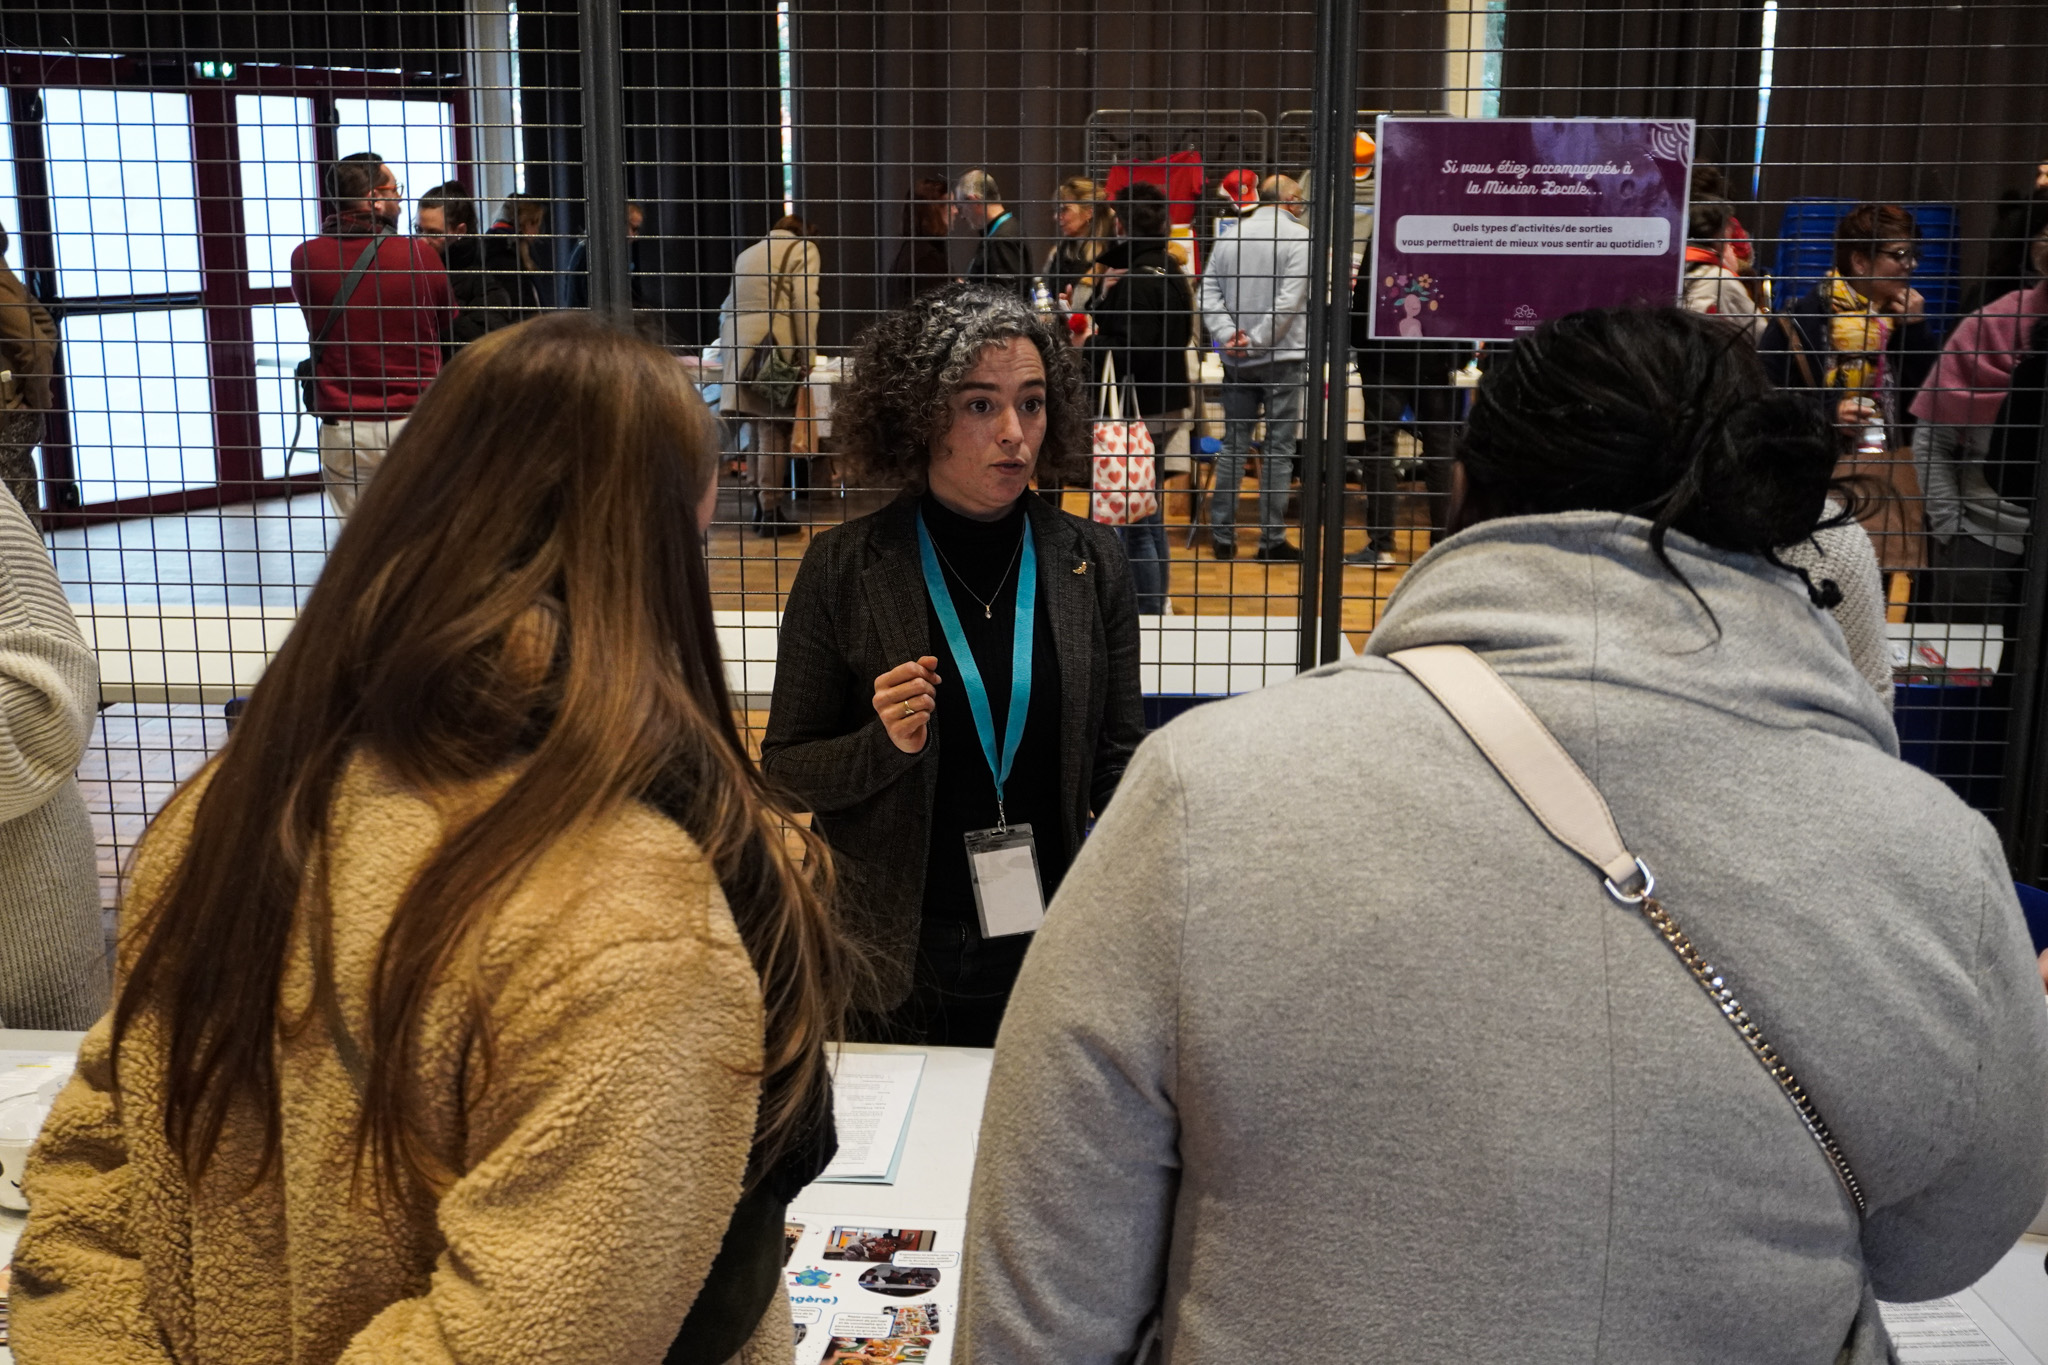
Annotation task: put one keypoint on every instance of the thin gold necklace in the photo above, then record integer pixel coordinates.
(988, 604)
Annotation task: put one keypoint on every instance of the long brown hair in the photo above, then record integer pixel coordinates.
(924, 208)
(522, 593)
(527, 216)
(1079, 189)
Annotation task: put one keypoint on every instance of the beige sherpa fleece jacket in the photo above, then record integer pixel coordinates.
(599, 1163)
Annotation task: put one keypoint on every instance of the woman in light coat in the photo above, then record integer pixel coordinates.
(773, 306)
(1497, 1116)
(28, 352)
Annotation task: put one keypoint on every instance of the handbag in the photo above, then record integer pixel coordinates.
(1890, 508)
(1124, 476)
(307, 371)
(773, 373)
(1567, 804)
(803, 427)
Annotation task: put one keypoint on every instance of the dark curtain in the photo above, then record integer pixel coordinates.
(1661, 59)
(890, 90)
(377, 34)
(702, 151)
(1917, 100)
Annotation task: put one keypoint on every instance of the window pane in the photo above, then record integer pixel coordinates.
(280, 335)
(416, 138)
(121, 192)
(141, 406)
(280, 201)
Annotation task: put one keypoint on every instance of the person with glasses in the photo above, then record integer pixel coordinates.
(483, 271)
(1857, 347)
(1860, 338)
(376, 342)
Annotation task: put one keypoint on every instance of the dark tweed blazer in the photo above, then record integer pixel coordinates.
(857, 610)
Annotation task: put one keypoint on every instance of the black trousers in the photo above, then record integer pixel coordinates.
(1968, 582)
(958, 991)
(1435, 409)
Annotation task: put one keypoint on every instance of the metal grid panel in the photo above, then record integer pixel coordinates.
(161, 166)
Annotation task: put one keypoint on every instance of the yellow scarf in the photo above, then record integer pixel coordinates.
(1857, 336)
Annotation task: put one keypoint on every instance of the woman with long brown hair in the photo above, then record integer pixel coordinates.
(472, 1002)
(922, 262)
(1087, 227)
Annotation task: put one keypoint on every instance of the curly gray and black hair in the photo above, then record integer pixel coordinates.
(907, 367)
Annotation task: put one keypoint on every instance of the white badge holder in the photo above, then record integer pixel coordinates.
(1007, 893)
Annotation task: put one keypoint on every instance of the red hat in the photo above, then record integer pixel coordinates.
(1241, 188)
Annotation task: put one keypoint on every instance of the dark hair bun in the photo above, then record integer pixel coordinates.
(1657, 412)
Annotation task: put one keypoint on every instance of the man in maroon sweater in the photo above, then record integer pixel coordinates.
(385, 347)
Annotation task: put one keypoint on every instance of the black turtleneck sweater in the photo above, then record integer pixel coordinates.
(974, 555)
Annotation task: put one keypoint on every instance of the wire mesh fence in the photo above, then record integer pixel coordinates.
(187, 190)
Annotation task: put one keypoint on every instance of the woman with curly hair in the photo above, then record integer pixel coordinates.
(956, 687)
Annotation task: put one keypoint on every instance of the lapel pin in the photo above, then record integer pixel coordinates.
(1082, 567)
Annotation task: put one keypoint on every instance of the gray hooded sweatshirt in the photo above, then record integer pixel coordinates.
(1327, 1051)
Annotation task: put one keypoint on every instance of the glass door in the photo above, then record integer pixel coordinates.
(157, 224)
(124, 214)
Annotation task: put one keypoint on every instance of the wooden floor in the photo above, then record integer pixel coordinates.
(753, 573)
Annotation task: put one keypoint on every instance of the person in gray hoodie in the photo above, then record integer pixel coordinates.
(1254, 301)
(1268, 1090)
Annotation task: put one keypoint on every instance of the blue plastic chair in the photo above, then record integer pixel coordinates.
(2034, 904)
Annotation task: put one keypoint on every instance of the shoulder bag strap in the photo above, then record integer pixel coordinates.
(1797, 346)
(779, 290)
(347, 291)
(1567, 804)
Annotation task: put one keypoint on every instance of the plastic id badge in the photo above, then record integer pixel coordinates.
(1004, 863)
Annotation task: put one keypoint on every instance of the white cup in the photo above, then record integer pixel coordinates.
(21, 1119)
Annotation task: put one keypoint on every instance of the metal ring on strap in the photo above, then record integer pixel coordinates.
(1634, 897)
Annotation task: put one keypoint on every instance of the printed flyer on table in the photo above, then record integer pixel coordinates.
(861, 1292)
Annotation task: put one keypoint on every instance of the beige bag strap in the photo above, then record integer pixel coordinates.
(781, 287)
(1554, 788)
(1565, 802)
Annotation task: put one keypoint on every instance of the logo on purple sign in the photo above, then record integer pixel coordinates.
(1410, 296)
(1488, 226)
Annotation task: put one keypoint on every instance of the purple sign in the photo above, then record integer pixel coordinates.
(1487, 227)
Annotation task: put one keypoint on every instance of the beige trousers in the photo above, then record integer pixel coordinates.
(350, 453)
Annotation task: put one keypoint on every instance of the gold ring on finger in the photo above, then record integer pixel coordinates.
(909, 709)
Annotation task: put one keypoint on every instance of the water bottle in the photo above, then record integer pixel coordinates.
(1041, 296)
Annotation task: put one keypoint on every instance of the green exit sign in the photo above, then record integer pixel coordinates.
(215, 71)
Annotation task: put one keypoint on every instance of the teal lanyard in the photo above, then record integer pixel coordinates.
(999, 762)
(997, 223)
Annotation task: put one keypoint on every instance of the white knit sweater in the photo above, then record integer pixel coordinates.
(1845, 554)
(53, 967)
